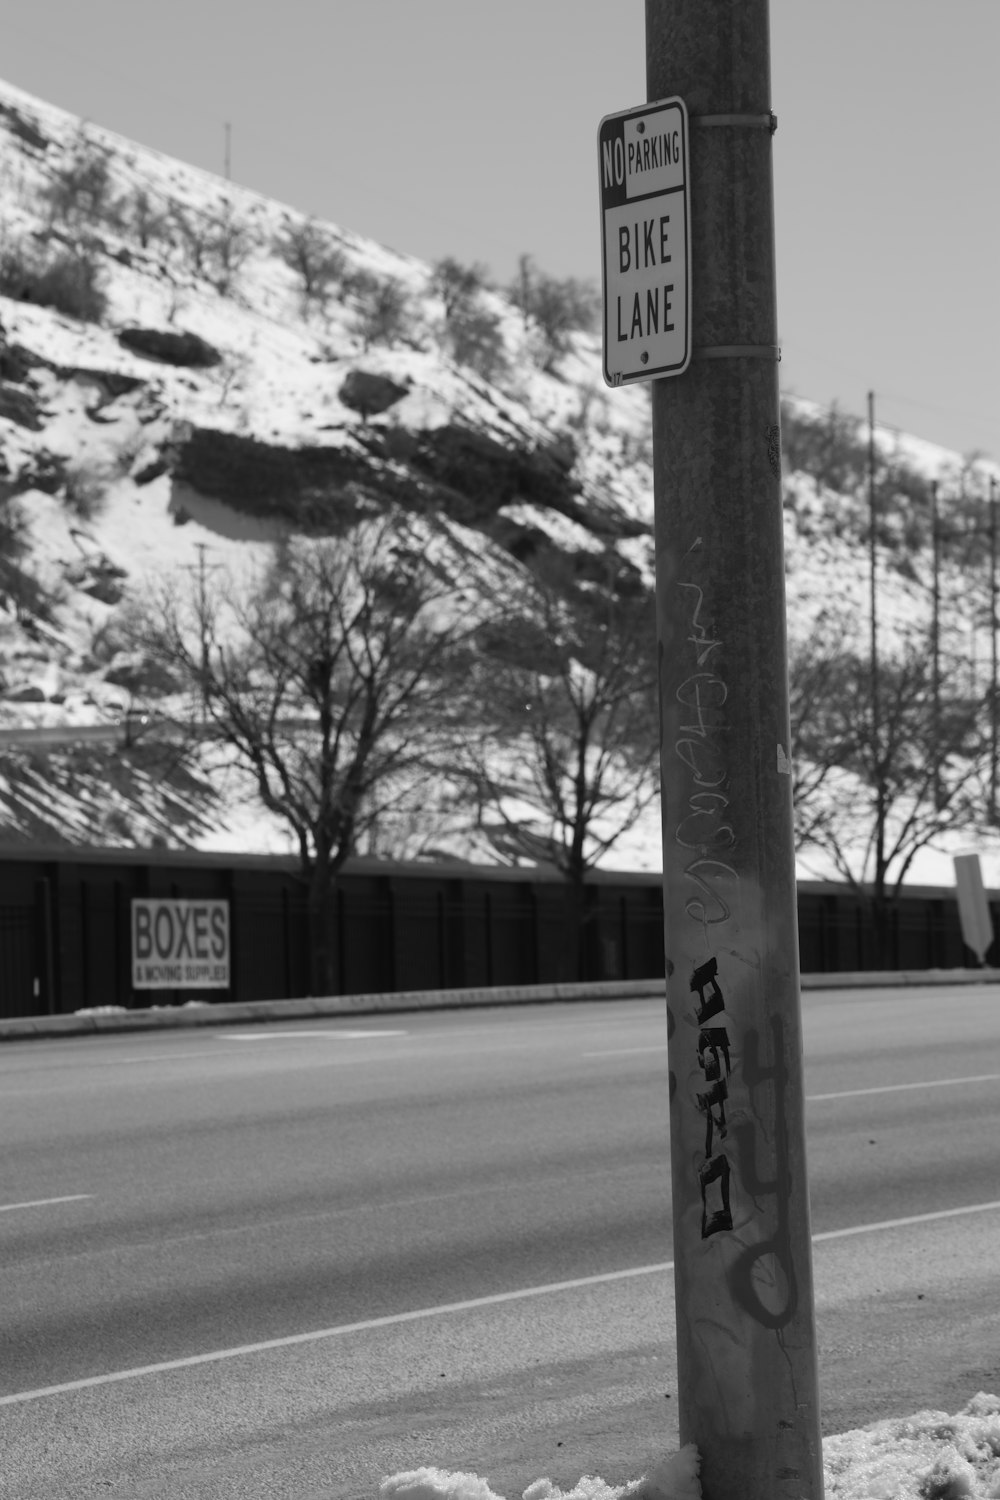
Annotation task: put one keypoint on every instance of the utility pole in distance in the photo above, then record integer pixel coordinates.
(746, 1346)
(993, 649)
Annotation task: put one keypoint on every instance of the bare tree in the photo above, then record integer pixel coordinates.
(216, 244)
(319, 264)
(322, 678)
(570, 760)
(554, 308)
(457, 285)
(873, 800)
(81, 189)
(146, 219)
(472, 331)
(385, 312)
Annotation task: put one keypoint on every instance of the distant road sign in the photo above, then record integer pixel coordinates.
(645, 245)
(973, 908)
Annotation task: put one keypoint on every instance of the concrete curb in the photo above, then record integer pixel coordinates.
(91, 1023)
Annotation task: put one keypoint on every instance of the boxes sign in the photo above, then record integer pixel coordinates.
(180, 945)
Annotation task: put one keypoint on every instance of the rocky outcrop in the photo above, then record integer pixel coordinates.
(141, 676)
(370, 394)
(172, 348)
(315, 489)
(20, 406)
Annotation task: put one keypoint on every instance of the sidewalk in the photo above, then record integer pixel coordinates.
(198, 1013)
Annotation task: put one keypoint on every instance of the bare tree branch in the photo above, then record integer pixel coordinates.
(324, 677)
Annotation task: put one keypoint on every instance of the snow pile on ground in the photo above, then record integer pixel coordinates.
(929, 1456)
(675, 1478)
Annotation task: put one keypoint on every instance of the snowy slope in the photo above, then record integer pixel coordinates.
(108, 455)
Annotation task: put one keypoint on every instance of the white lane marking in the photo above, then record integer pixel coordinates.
(292, 1036)
(898, 1088)
(330, 1333)
(882, 1088)
(941, 1213)
(7, 1208)
(215, 1356)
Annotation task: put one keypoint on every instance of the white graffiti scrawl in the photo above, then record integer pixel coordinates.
(705, 833)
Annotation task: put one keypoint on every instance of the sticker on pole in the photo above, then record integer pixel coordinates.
(645, 242)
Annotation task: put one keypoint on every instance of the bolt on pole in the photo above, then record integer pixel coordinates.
(746, 1344)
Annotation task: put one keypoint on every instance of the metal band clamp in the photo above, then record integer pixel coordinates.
(738, 351)
(767, 122)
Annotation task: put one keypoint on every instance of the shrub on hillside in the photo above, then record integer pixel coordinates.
(216, 243)
(22, 128)
(81, 190)
(831, 447)
(85, 489)
(475, 338)
(458, 286)
(144, 218)
(472, 332)
(320, 265)
(553, 309)
(384, 312)
(20, 591)
(69, 282)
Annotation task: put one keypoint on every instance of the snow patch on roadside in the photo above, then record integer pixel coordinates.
(928, 1456)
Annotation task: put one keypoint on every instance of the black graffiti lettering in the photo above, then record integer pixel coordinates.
(768, 1266)
(748, 1276)
(713, 1049)
(720, 1215)
(712, 1104)
(705, 977)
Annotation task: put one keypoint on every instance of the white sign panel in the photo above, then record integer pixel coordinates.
(645, 242)
(180, 945)
(973, 908)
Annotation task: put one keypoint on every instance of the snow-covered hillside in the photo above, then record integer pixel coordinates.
(214, 404)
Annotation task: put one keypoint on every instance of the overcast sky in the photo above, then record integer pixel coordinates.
(467, 128)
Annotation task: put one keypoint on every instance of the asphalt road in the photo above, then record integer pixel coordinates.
(231, 1260)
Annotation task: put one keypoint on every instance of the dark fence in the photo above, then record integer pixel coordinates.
(65, 936)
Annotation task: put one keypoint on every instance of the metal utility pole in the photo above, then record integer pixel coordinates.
(993, 649)
(746, 1345)
(936, 644)
(878, 766)
(873, 595)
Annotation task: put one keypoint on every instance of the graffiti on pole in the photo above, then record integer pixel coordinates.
(761, 1278)
(705, 832)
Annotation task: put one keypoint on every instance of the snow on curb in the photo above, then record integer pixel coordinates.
(929, 1456)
